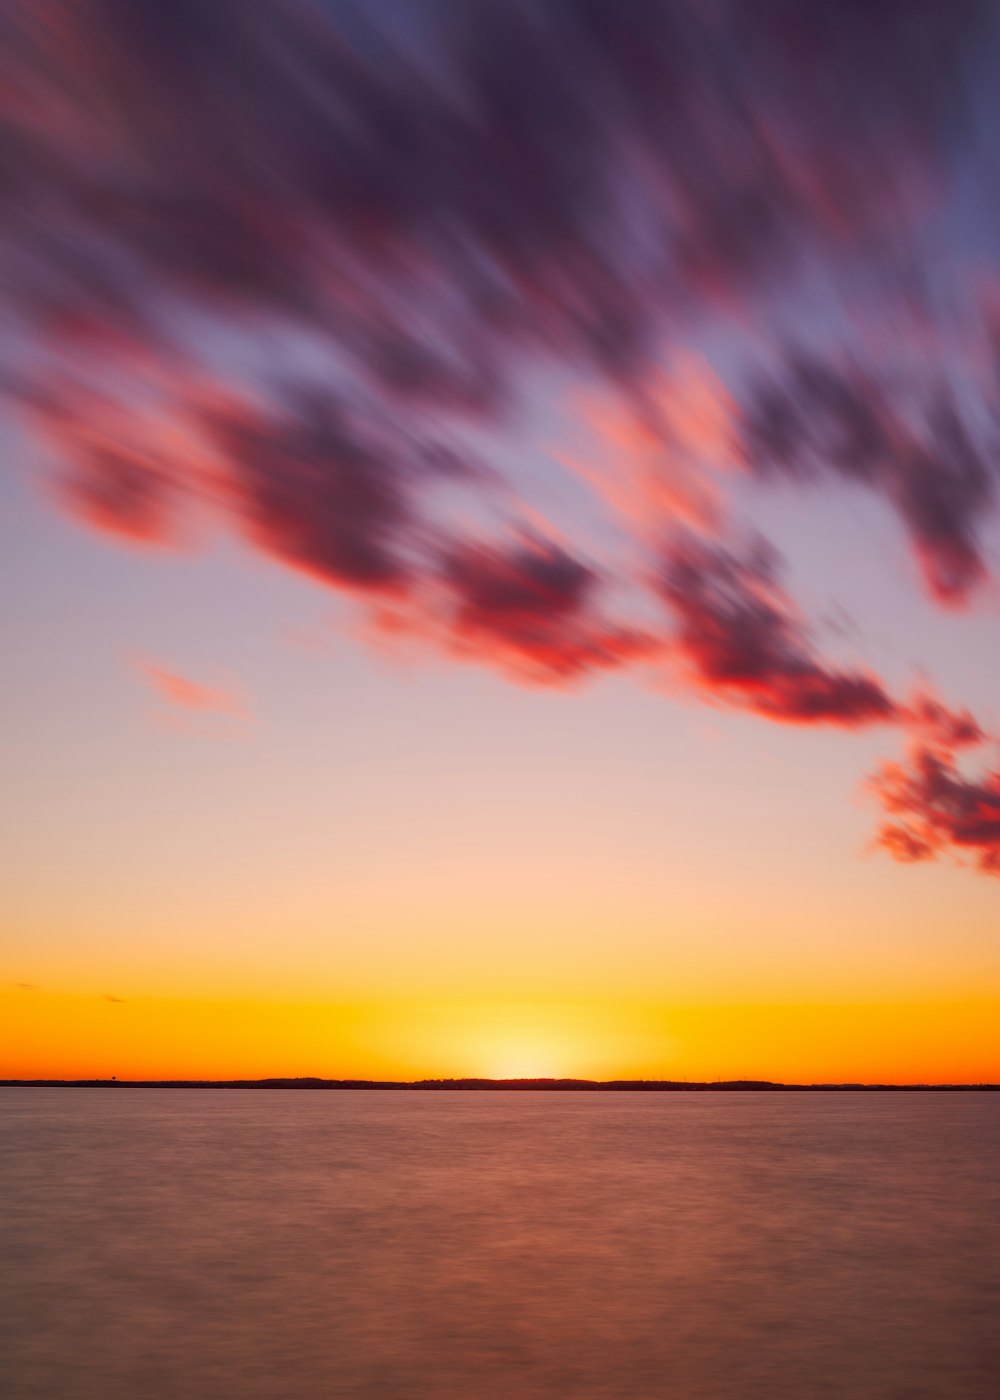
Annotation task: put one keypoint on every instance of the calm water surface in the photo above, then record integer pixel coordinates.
(196, 1244)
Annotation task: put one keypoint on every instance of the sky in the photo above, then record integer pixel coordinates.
(499, 540)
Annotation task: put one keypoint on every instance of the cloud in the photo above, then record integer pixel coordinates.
(655, 456)
(440, 194)
(741, 641)
(817, 419)
(437, 202)
(26, 986)
(934, 811)
(533, 607)
(933, 723)
(520, 603)
(112, 474)
(180, 692)
(291, 265)
(330, 487)
(118, 1001)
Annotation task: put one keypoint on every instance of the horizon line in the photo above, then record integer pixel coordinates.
(474, 1083)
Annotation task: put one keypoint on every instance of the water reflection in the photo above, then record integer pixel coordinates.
(471, 1246)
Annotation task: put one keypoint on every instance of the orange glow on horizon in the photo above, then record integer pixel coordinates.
(74, 1036)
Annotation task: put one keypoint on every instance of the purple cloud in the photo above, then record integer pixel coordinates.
(743, 643)
(818, 419)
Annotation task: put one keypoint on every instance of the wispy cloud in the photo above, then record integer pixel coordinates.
(189, 694)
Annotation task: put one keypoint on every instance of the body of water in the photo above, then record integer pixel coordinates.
(255, 1245)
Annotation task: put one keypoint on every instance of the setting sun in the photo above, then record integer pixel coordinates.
(517, 1056)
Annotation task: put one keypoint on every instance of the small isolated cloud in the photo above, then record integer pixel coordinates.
(181, 693)
(26, 986)
(118, 1001)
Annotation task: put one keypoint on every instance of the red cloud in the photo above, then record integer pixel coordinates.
(934, 811)
(524, 605)
(120, 493)
(531, 607)
(932, 722)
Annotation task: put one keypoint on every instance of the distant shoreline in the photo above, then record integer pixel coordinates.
(647, 1086)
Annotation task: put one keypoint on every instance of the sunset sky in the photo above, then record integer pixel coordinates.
(499, 540)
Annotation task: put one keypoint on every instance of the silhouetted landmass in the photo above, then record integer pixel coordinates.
(648, 1086)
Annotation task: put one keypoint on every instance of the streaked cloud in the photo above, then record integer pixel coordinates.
(283, 264)
(742, 641)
